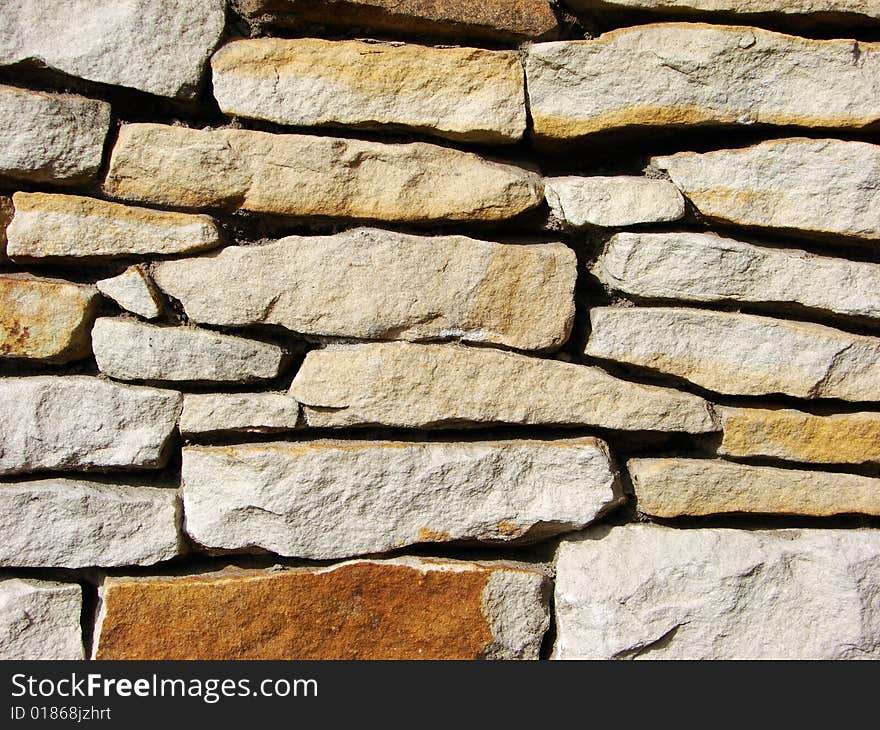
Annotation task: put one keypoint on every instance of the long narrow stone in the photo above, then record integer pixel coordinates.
(306, 176)
(308, 499)
(433, 287)
(71, 523)
(650, 592)
(40, 620)
(432, 386)
(465, 94)
(822, 11)
(213, 413)
(740, 354)
(405, 608)
(694, 487)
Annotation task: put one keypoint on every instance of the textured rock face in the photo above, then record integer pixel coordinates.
(740, 354)
(425, 386)
(704, 267)
(6, 211)
(392, 609)
(67, 523)
(45, 319)
(643, 591)
(82, 423)
(452, 20)
(40, 620)
(209, 413)
(464, 94)
(71, 225)
(521, 296)
(109, 40)
(55, 138)
(306, 176)
(845, 438)
(692, 487)
(613, 201)
(818, 186)
(129, 350)
(133, 291)
(309, 499)
(822, 8)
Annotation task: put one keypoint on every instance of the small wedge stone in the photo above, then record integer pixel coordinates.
(213, 413)
(133, 290)
(40, 620)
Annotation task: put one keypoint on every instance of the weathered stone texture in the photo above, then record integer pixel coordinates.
(45, 319)
(335, 499)
(650, 592)
(40, 620)
(435, 287)
(307, 176)
(67, 523)
(133, 290)
(56, 138)
(465, 94)
(213, 413)
(740, 354)
(427, 386)
(6, 211)
(127, 349)
(393, 609)
(692, 487)
(82, 423)
(852, 10)
(71, 226)
(819, 186)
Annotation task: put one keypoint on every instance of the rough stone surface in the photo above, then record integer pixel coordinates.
(435, 287)
(684, 74)
(427, 386)
(704, 267)
(45, 319)
(56, 138)
(307, 176)
(40, 620)
(159, 46)
(650, 592)
(336, 499)
(130, 350)
(740, 354)
(613, 201)
(6, 211)
(82, 423)
(465, 94)
(851, 10)
(210, 413)
(68, 523)
(818, 186)
(694, 487)
(392, 609)
(451, 20)
(133, 290)
(843, 438)
(71, 226)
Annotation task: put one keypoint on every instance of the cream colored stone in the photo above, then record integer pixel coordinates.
(213, 413)
(133, 290)
(850, 10)
(40, 620)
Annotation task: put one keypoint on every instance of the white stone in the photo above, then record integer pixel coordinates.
(133, 290)
(208, 413)
(40, 619)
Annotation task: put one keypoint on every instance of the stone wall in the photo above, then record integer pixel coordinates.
(440, 329)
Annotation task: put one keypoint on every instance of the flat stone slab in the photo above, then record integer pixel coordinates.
(216, 413)
(40, 619)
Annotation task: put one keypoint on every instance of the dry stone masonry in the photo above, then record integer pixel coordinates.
(440, 329)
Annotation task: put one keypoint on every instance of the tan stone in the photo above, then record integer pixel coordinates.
(465, 94)
(693, 487)
(394, 609)
(824, 10)
(212, 413)
(306, 176)
(70, 225)
(45, 319)
(6, 211)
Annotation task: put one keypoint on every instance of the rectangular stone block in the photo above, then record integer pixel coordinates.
(40, 620)
(215, 413)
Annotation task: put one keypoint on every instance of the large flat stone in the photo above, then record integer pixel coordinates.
(849, 11)
(704, 267)
(215, 413)
(40, 619)
(55, 138)
(822, 187)
(433, 287)
(404, 608)
(694, 487)
(650, 592)
(127, 349)
(46, 226)
(465, 94)
(336, 499)
(45, 319)
(306, 176)
(71, 523)
(431, 386)
(82, 423)
(740, 354)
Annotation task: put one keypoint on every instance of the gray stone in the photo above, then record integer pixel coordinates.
(40, 619)
(211, 413)
(133, 290)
